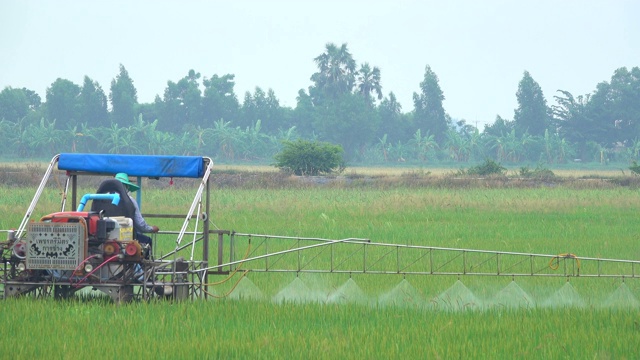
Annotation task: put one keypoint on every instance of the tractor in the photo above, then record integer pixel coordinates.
(79, 249)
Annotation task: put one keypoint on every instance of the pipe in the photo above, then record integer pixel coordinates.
(115, 199)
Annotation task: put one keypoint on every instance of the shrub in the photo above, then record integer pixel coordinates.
(489, 167)
(540, 173)
(303, 157)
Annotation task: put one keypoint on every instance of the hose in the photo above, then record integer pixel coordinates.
(233, 272)
(229, 277)
(77, 285)
(79, 266)
(230, 290)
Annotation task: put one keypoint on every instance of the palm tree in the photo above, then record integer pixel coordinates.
(369, 81)
(336, 69)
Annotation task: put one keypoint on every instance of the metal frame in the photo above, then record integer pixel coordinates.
(274, 253)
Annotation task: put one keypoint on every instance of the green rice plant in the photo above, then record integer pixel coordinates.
(365, 315)
(246, 329)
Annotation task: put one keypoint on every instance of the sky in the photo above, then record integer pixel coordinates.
(478, 49)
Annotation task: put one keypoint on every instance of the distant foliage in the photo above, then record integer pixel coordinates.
(489, 167)
(345, 105)
(540, 173)
(304, 157)
(635, 168)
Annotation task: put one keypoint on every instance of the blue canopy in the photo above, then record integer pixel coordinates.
(134, 165)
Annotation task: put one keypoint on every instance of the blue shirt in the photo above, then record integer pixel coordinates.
(138, 221)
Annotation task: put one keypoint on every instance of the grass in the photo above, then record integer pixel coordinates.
(588, 222)
(240, 329)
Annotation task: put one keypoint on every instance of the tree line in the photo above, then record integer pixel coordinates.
(345, 105)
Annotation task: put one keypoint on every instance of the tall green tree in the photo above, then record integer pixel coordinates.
(14, 104)
(63, 103)
(574, 123)
(33, 98)
(499, 127)
(219, 100)
(92, 104)
(124, 99)
(429, 114)
(304, 114)
(532, 114)
(349, 120)
(337, 97)
(392, 121)
(262, 106)
(601, 108)
(151, 111)
(278, 118)
(182, 104)
(368, 81)
(615, 106)
(626, 85)
(254, 107)
(336, 73)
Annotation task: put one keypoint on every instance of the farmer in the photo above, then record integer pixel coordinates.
(139, 224)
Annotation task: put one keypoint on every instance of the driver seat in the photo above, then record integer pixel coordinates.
(124, 208)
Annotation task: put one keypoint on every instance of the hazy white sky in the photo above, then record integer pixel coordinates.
(479, 49)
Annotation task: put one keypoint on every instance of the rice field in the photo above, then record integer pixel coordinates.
(259, 330)
(368, 316)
